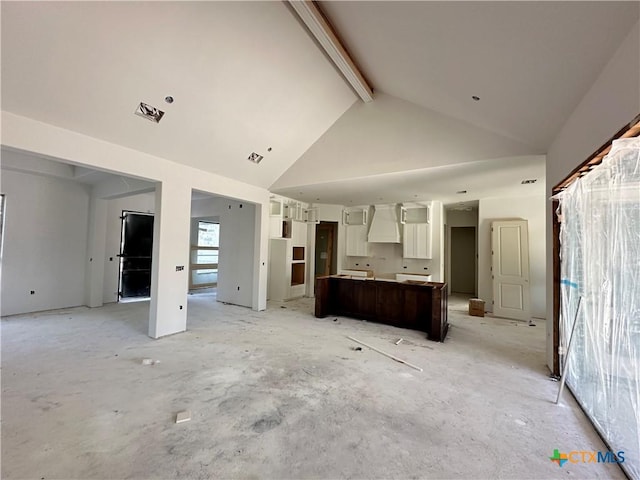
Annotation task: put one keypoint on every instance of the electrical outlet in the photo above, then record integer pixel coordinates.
(179, 268)
(33, 292)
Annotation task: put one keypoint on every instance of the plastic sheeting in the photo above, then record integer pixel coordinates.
(600, 262)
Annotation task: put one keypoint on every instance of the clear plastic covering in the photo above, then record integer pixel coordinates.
(600, 262)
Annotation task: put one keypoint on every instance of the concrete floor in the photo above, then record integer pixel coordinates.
(280, 394)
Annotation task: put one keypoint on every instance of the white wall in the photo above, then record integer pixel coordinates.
(394, 135)
(45, 241)
(612, 102)
(235, 265)
(531, 209)
(174, 180)
(144, 203)
(386, 258)
(237, 244)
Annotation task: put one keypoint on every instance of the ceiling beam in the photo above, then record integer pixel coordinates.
(320, 28)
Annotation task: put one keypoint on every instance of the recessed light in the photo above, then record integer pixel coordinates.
(529, 181)
(476, 98)
(255, 157)
(461, 191)
(149, 112)
(168, 99)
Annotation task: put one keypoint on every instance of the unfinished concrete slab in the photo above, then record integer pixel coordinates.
(281, 394)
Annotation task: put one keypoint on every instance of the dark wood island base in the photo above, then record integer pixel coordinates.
(409, 304)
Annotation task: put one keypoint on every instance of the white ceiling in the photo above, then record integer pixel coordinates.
(529, 62)
(246, 76)
(482, 179)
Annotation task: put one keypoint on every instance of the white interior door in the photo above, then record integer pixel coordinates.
(510, 269)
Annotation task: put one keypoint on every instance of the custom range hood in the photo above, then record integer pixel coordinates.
(385, 225)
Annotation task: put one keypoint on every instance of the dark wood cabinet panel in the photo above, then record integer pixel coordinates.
(417, 307)
(421, 306)
(344, 299)
(364, 298)
(390, 303)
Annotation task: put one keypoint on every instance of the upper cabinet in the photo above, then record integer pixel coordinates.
(415, 213)
(417, 231)
(356, 221)
(356, 238)
(355, 216)
(284, 213)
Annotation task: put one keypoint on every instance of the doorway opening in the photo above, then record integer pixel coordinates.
(136, 246)
(463, 260)
(326, 262)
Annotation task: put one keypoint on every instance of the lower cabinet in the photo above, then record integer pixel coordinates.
(420, 306)
(390, 303)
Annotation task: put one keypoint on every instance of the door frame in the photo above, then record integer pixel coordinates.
(122, 218)
(332, 227)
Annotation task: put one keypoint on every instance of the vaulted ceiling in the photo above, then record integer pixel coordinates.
(247, 77)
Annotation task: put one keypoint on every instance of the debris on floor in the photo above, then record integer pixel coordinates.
(149, 361)
(392, 357)
(183, 416)
(357, 349)
(399, 341)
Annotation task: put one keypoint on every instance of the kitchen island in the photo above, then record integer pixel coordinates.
(409, 304)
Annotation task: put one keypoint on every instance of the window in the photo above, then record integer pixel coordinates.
(204, 256)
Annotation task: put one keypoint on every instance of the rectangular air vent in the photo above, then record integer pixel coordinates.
(149, 112)
(255, 157)
(527, 182)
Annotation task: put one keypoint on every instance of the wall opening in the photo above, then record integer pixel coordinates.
(136, 246)
(463, 260)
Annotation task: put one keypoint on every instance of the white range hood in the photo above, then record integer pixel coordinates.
(385, 226)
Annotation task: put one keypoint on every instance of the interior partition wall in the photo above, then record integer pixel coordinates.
(600, 269)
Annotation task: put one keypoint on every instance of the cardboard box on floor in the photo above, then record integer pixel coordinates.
(476, 307)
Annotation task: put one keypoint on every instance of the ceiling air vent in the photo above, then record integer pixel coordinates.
(255, 157)
(527, 182)
(149, 112)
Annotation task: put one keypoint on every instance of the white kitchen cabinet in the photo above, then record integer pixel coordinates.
(355, 216)
(287, 266)
(356, 237)
(299, 234)
(417, 241)
(415, 213)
